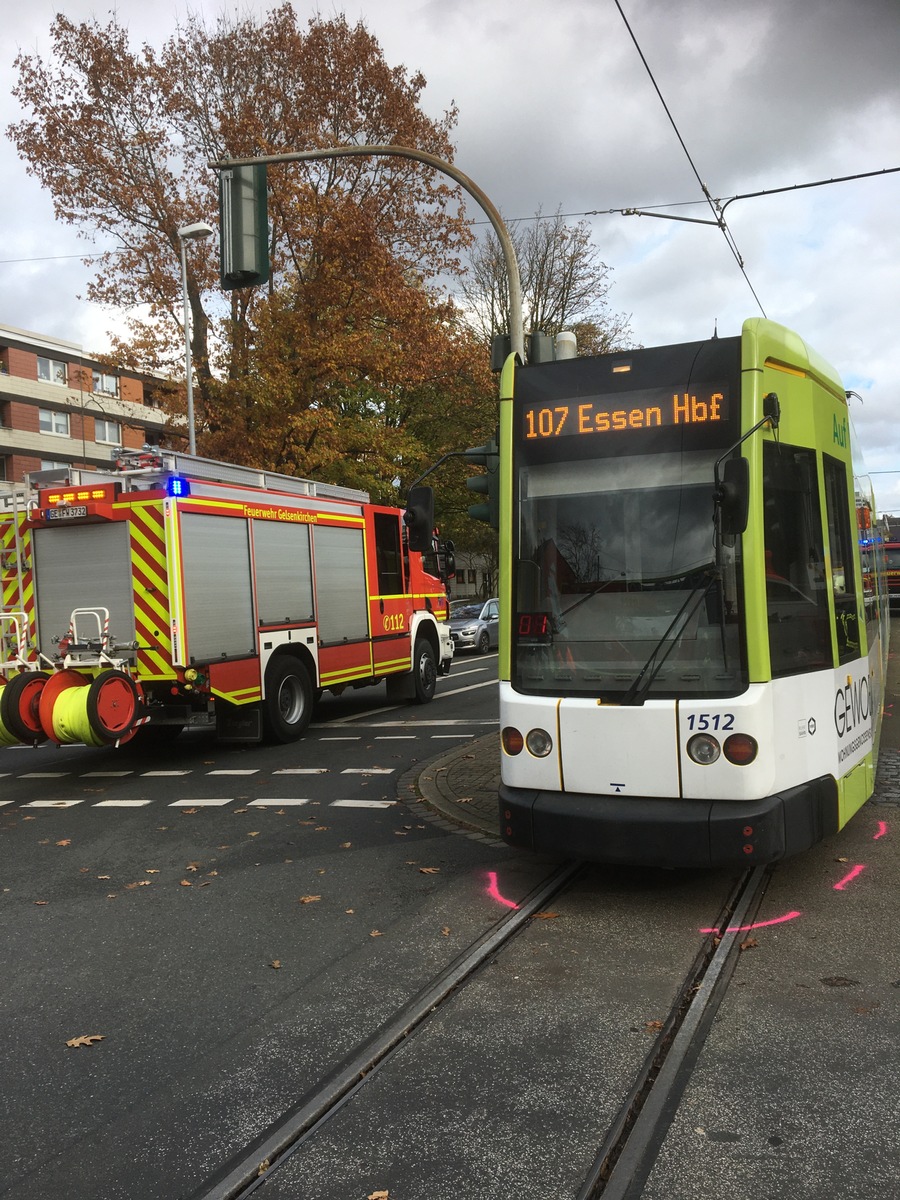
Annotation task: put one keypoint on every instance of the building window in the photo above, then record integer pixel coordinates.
(106, 385)
(473, 576)
(52, 421)
(51, 371)
(107, 431)
(53, 464)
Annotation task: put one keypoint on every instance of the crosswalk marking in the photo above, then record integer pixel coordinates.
(252, 771)
(368, 771)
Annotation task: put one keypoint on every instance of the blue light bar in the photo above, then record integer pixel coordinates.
(177, 485)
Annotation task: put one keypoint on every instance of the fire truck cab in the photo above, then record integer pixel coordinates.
(179, 591)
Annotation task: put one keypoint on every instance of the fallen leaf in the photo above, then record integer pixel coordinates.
(308, 899)
(263, 1167)
(186, 883)
(64, 842)
(399, 833)
(104, 876)
(239, 810)
(653, 1026)
(192, 866)
(376, 933)
(152, 870)
(253, 833)
(842, 859)
(377, 1196)
(42, 901)
(749, 944)
(187, 812)
(346, 845)
(276, 963)
(86, 1039)
(545, 916)
(349, 910)
(429, 870)
(320, 828)
(445, 932)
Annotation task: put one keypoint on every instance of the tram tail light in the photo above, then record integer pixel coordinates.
(512, 741)
(740, 749)
(703, 749)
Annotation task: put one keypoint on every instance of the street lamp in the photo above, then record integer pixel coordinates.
(190, 233)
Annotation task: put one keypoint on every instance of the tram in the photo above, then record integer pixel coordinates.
(694, 617)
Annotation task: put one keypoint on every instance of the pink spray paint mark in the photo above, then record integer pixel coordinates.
(851, 875)
(494, 893)
(882, 830)
(756, 924)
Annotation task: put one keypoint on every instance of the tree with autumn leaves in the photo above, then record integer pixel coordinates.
(352, 365)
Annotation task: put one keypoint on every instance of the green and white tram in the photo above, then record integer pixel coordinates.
(694, 623)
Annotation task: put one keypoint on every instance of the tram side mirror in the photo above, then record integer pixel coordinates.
(733, 496)
(419, 519)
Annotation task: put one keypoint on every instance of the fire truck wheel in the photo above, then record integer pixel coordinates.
(287, 708)
(424, 671)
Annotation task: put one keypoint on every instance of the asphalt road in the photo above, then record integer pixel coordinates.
(194, 910)
(223, 926)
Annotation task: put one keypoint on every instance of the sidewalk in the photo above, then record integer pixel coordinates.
(462, 785)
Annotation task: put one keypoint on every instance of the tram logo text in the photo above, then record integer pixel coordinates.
(853, 708)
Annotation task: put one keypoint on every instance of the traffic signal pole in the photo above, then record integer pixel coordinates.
(516, 322)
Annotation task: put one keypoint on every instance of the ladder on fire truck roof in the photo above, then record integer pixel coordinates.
(135, 468)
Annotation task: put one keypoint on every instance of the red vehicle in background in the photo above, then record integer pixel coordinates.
(892, 563)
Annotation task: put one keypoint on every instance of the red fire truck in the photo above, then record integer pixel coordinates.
(178, 591)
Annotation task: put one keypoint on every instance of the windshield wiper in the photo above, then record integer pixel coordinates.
(644, 679)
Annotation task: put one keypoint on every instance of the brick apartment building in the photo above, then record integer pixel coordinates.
(60, 408)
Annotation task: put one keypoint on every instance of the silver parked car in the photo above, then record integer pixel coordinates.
(475, 626)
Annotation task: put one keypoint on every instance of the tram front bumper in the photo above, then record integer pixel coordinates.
(646, 831)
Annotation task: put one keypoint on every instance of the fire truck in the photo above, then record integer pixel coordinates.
(177, 591)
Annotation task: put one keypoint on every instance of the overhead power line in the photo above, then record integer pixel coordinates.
(720, 220)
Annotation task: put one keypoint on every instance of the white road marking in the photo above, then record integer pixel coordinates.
(272, 803)
(105, 774)
(252, 771)
(52, 803)
(362, 804)
(368, 771)
(201, 803)
(121, 803)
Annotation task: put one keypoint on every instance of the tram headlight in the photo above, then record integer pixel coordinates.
(703, 749)
(512, 741)
(740, 749)
(539, 742)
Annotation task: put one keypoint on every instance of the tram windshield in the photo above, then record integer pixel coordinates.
(620, 590)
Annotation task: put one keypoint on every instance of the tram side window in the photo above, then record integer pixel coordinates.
(796, 599)
(840, 541)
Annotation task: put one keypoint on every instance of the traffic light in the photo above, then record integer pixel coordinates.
(488, 484)
(244, 226)
(419, 519)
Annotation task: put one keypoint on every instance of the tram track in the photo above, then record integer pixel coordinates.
(250, 1169)
(626, 1154)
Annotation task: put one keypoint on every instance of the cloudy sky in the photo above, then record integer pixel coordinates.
(556, 110)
